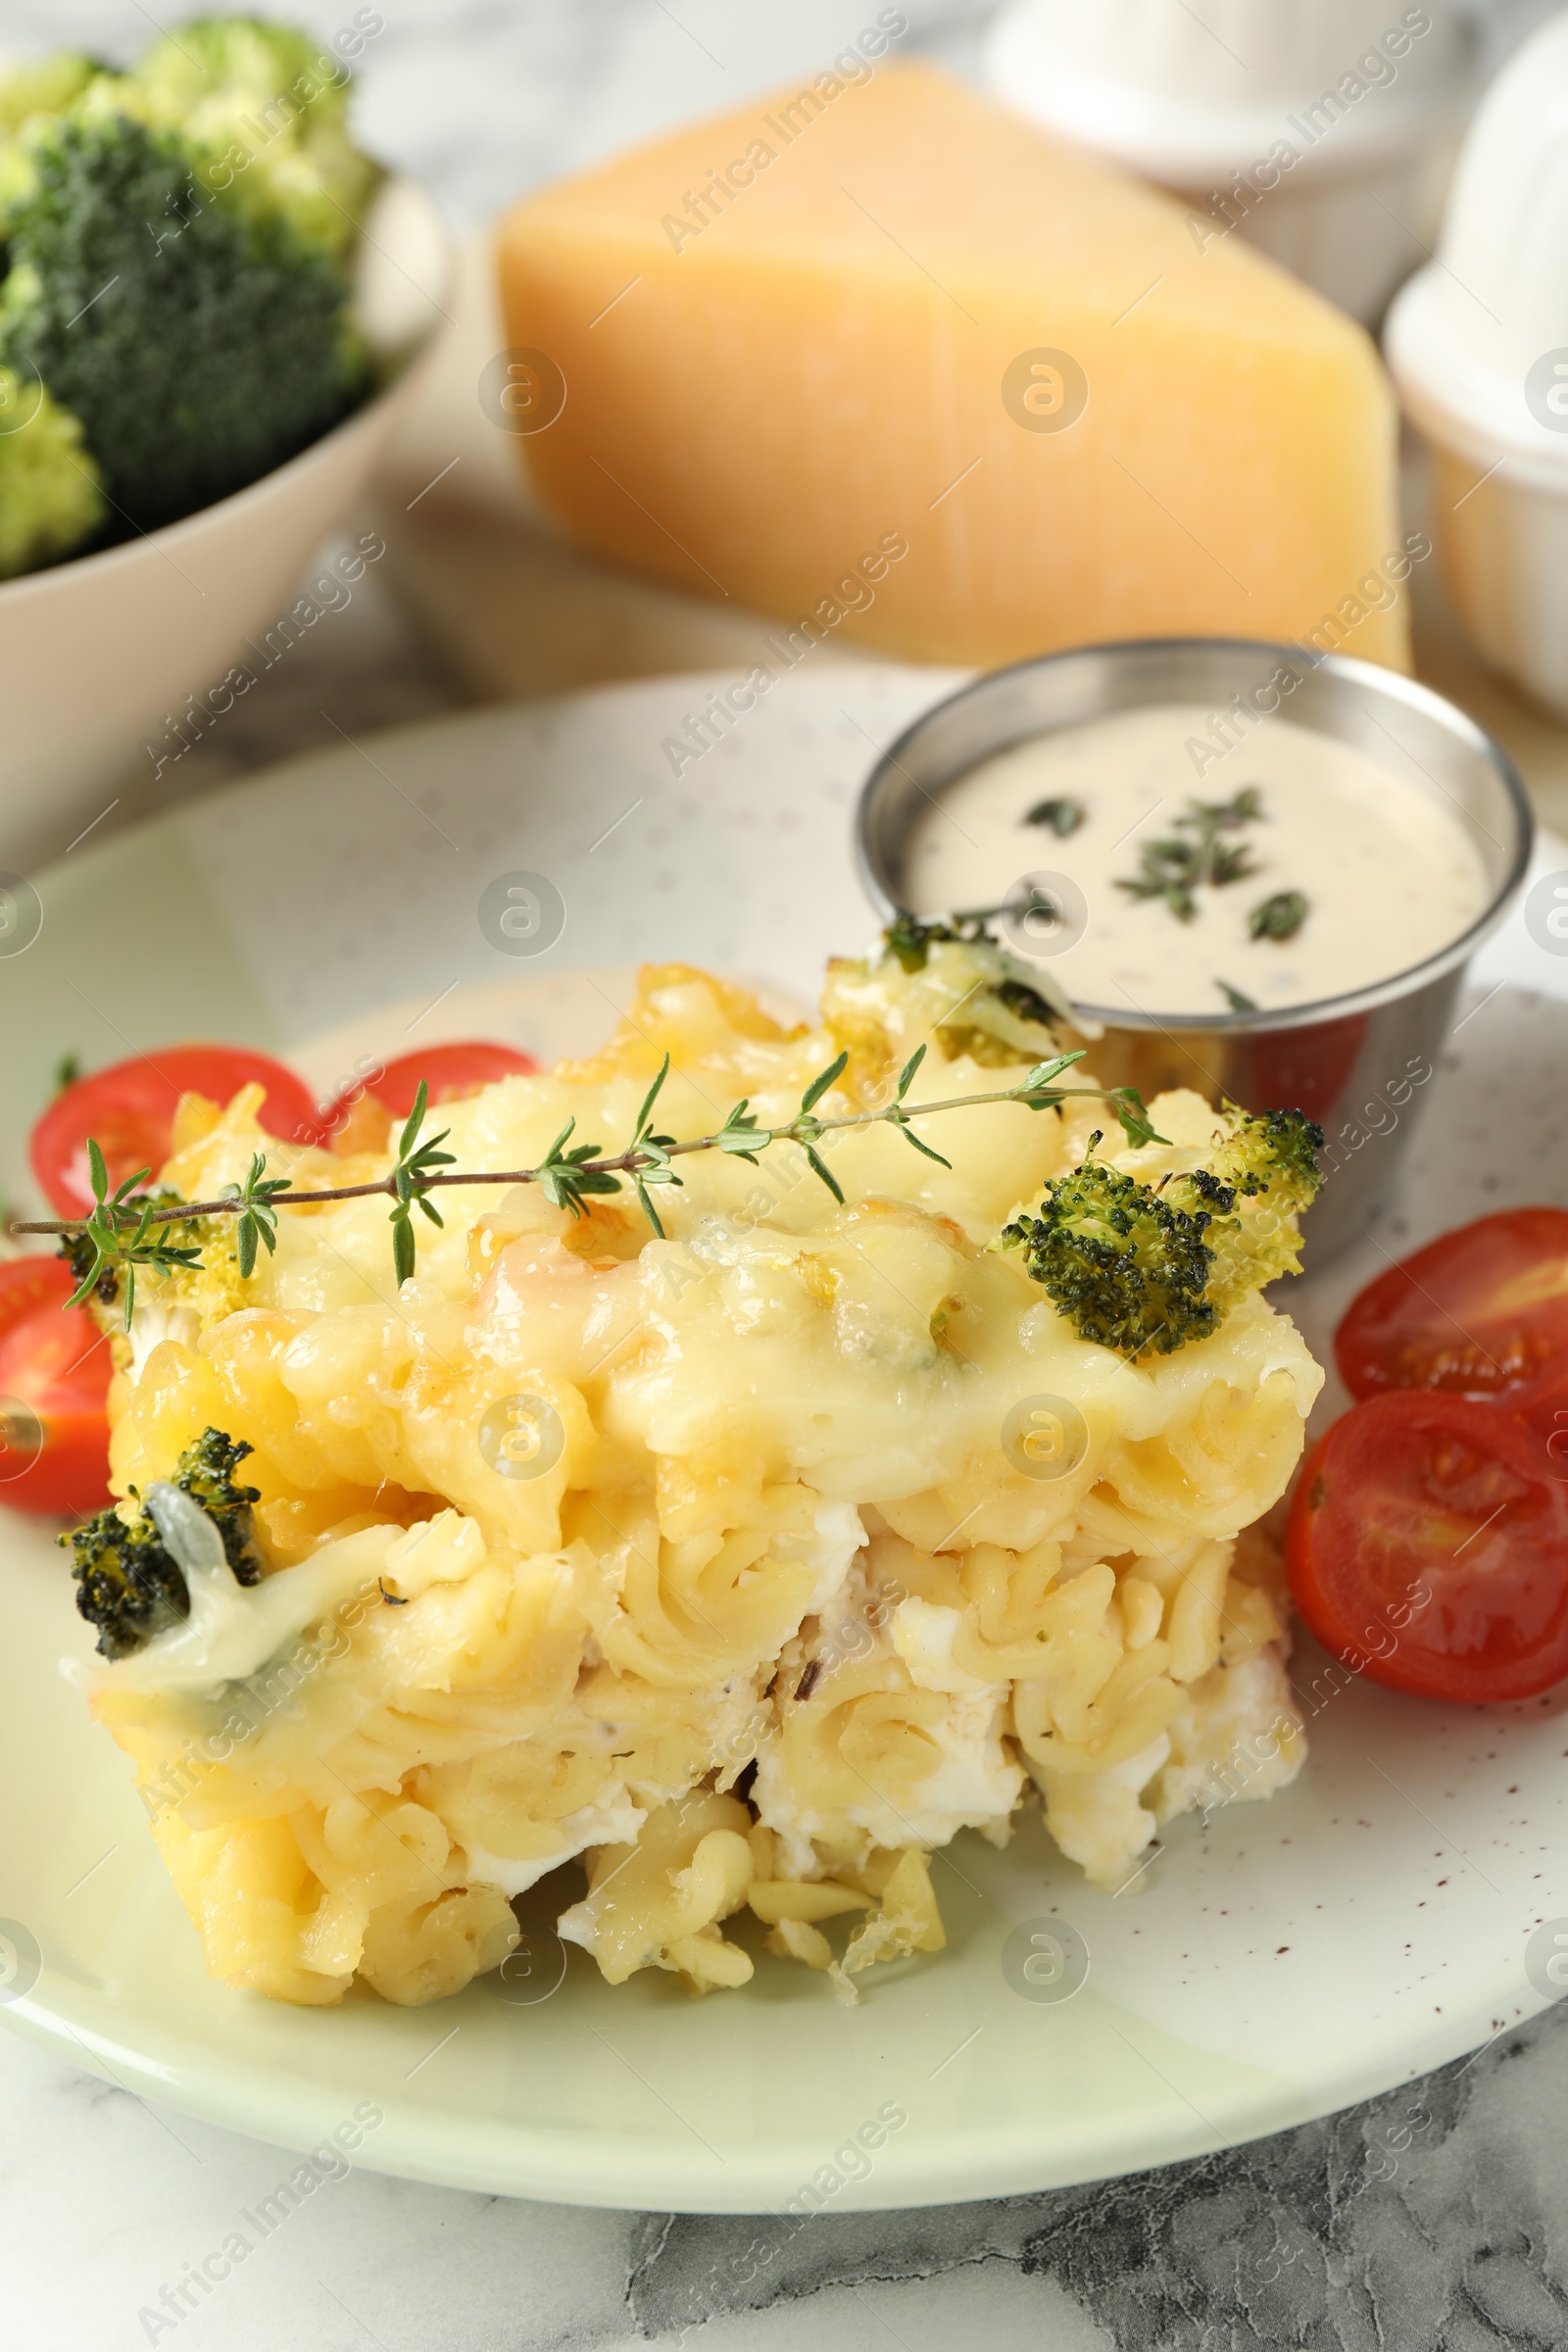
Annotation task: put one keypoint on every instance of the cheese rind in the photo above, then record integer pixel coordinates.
(795, 343)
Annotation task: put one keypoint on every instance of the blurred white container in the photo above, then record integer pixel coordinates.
(97, 651)
(1478, 343)
(1321, 130)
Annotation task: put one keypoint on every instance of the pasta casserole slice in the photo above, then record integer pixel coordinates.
(740, 1564)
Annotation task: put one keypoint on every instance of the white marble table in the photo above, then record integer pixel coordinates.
(1433, 2221)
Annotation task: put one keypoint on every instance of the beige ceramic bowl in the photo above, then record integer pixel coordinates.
(97, 655)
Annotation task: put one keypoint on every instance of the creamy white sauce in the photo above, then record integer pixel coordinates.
(1389, 870)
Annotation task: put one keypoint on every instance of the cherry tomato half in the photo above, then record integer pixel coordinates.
(1429, 1552)
(1543, 1408)
(1481, 1312)
(450, 1072)
(130, 1110)
(54, 1378)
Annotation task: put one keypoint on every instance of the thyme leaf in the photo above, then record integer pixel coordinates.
(410, 1181)
(258, 1218)
(648, 1155)
(822, 1081)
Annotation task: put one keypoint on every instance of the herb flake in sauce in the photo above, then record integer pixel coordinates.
(1198, 854)
(1279, 917)
(1062, 815)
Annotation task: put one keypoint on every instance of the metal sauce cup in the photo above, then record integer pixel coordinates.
(1359, 1064)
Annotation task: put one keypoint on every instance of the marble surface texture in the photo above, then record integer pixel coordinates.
(1434, 2220)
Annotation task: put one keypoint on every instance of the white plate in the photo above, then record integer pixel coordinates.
(1291, 1957)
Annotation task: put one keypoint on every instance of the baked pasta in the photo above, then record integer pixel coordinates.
(740, 1568)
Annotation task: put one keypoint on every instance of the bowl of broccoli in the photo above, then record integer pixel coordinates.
(213, 307)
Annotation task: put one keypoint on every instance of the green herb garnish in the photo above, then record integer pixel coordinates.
(1064, 816)
(1198, 854)
(1237, 999)
(1278, 917)
(121, 1233)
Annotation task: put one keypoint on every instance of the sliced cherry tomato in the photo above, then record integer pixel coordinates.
(129, 1109)
(1429, 1551)
(1481, 1312)
(54, 1378)
(450, 1072)
(1543, 1408)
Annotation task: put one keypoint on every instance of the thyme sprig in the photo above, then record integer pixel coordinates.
(121, 1231)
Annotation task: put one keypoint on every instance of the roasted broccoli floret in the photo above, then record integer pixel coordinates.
(206, 1473)
(949, 983)
(200, 338)
(1267, 1160)
(1146, 1268)
(1129, 1266)
(128, 1583)
(268, 115)
(50, 496)
(910, 937)
(1271, 1151)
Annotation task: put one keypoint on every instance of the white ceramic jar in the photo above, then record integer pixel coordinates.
(1322, 134)
(1478, 343)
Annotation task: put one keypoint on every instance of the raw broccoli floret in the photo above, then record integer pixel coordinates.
(1146, 1268)
(269, 113)
(30, 93)
(128, 1583)
(201, 342)
(42, 86)
(51, 496)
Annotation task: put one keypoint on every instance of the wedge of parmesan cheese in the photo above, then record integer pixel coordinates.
(877, 357)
